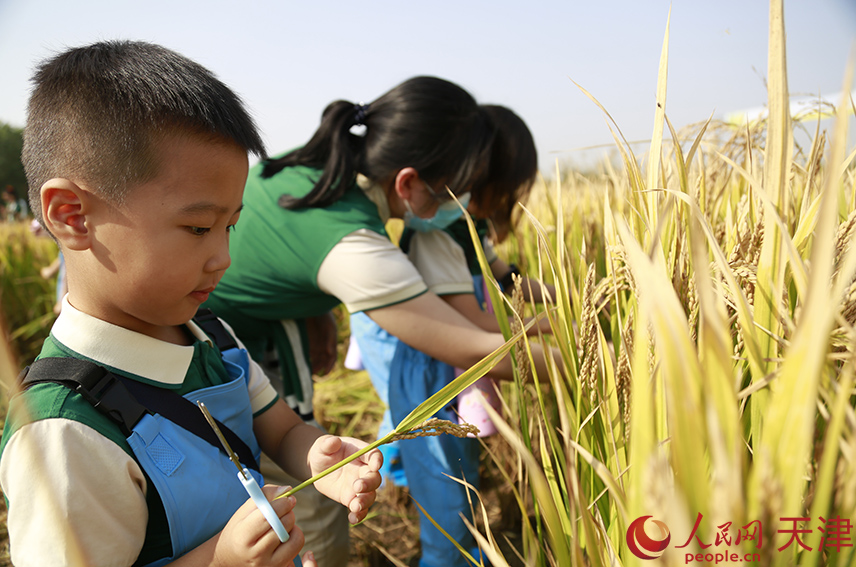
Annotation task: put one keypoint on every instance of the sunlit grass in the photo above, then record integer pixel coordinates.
(707, 293)
(26, 299)
(704, 318)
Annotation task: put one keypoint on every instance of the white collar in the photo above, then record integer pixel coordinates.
(376, 195)
(123, 349)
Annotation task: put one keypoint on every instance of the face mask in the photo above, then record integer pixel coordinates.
(446, 214)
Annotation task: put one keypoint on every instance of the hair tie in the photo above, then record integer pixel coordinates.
(358, 128)
(360, 110)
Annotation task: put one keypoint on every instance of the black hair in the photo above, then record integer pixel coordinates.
(96, 113)
(426, 123)
(513, 166)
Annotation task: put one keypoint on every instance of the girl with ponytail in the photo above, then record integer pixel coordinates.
(312, 236)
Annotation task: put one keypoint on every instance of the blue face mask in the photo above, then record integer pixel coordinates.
(446, 214)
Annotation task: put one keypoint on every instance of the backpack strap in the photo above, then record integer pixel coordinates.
(94, 383)
(126, 401)
(209, 323)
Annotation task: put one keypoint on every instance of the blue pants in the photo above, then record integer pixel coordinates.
(413, 378)
(377, 348)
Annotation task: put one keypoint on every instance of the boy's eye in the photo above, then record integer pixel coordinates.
(198, 230)
(231, 228)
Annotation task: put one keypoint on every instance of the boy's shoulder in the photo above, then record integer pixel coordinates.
(53, 401)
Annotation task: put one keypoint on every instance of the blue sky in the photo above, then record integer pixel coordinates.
(289, 59)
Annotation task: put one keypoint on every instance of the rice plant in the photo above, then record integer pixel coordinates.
(707, 297)
(704, 319)
(26, 299)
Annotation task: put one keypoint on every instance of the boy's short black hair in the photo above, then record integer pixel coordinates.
(96, 113)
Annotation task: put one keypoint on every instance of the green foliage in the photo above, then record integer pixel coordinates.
(26, 299)
(11, 168)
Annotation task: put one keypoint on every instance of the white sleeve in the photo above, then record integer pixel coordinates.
(441, 261)
(367, 271)
(75, 497)
(489, 251)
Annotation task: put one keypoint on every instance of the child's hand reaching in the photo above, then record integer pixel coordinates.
(247, 539)
(354, 485)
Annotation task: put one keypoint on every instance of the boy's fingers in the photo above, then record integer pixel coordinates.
(285, 552)
(282, 507)
(362, 502)
(309, 560)
(374, 459)
(356, 517)
(274, 495)
(368, 482)
(289, 520)
(358, 507)
(330, 444)
(271, 491)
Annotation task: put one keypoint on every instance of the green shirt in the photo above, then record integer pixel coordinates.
(276, 252)
(77, 335)
(460, 233)
(276, 255)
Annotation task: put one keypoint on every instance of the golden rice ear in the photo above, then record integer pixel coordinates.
(712, 312)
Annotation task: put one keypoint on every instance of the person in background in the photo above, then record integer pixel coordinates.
(55, 268)
(315, 235)
(446, 258)
(15, 208)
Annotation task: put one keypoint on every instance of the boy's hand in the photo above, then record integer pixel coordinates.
(247, 539)
(354, 485)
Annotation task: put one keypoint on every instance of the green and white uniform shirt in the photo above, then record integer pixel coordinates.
(288, 265)
(76, 495)
(446, 258)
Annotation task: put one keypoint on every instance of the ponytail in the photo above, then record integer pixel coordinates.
(426, 123)
(333, 149)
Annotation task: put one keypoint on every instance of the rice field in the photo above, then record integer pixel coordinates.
(702, 411)
(701, 408)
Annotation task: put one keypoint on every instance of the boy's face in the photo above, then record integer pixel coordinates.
(158, 255)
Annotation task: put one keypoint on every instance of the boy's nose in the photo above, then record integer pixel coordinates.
(221, 259)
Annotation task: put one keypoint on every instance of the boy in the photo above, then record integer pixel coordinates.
(136, 159)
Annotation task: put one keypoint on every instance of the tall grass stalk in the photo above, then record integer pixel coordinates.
(26, 299)
(705, 315)
(704, 319)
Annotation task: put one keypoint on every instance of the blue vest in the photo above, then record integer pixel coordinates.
(177, 461)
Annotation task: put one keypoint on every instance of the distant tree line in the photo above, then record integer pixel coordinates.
(11, 168)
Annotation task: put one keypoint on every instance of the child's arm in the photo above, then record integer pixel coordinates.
(468, 306)
(303, 451)
(430, 325)
(538, 289)
(50, 270)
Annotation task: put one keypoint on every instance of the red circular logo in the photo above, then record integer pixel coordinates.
(641, 544)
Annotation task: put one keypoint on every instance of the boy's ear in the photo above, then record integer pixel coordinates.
(404, 182)
(64, 210)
